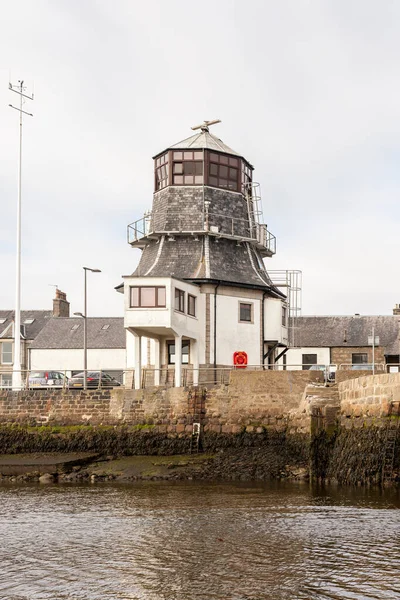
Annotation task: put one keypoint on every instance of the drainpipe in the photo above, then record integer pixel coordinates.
(262, 329)
(215, 328)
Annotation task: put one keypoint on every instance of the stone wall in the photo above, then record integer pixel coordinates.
(342, 355)
(252, 401)
(367, 399)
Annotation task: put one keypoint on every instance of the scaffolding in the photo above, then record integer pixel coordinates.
(291, 282)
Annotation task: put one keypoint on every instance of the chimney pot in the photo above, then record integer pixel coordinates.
(60, 304)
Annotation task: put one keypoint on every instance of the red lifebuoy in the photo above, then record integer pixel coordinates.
(240, 359)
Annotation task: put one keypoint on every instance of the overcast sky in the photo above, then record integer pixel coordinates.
(307, 91)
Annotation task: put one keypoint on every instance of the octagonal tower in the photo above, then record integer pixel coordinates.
(206, 219)
(200, 293)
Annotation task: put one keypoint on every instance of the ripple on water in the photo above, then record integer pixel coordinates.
(196, 541)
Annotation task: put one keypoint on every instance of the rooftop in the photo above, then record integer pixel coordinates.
(67, 333)
(334, 331)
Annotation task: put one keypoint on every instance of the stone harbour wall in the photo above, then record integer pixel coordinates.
(368, 399)
(252, 401)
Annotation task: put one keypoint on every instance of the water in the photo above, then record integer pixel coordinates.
(193, 540)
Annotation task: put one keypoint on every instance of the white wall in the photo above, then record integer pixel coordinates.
(273, 329)
(233, 336)
(72, 359)
(294, 356)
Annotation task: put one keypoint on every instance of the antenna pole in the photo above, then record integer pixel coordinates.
(16, 379)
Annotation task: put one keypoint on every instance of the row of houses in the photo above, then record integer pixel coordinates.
(52, 340)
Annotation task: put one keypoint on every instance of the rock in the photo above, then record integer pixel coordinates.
(47, 478)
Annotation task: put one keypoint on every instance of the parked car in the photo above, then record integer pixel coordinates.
(47, 379)
(93, 380)
(328, 370)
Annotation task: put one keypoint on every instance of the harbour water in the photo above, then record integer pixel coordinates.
(191, 540)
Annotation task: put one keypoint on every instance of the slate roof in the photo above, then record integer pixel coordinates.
(204, 139)
(348, 331)
(40, 318)
(59, 333)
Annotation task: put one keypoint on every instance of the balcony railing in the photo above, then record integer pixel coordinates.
(215, 224)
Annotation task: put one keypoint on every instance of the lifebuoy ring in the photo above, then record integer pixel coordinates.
(240, 359)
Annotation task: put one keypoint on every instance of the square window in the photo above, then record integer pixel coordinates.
(223, 172)
(178, 155)
(189, 179)
(198, 156)
(188, 155)
(224, 160)
(308, 360)
(214, 157)
(245, 312)
(359, 358)
(178, 167)
(178, 179)
(198, 179)
(233, 162)
(191, 305)
(213, 181)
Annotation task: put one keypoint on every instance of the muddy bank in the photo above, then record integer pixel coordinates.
(129, 453)
(243, 465)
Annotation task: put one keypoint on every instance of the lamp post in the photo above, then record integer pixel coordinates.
(373, 340)
(84, 316)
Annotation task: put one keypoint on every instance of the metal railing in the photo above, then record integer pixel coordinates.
(215, 224)
(40, 379)
(165, 376)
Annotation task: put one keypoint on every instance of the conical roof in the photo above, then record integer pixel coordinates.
(207, 140)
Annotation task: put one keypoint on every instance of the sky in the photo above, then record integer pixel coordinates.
(308, 91)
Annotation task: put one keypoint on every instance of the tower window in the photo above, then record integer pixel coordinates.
(223, 171)
(187, 168)
(161, 173)
(246, 178)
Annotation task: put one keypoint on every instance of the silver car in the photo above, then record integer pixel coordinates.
(47, 379)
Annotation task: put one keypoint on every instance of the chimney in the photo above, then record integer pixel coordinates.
(60, 305)
(396, 310)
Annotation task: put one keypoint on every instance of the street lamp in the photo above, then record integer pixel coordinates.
(84, 316)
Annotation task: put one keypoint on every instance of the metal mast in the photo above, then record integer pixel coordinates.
(16, 382)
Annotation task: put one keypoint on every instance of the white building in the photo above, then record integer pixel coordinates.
(201, 293)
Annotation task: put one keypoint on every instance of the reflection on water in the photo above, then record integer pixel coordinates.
(193, 540)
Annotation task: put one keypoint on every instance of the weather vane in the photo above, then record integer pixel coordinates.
(204, 126)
